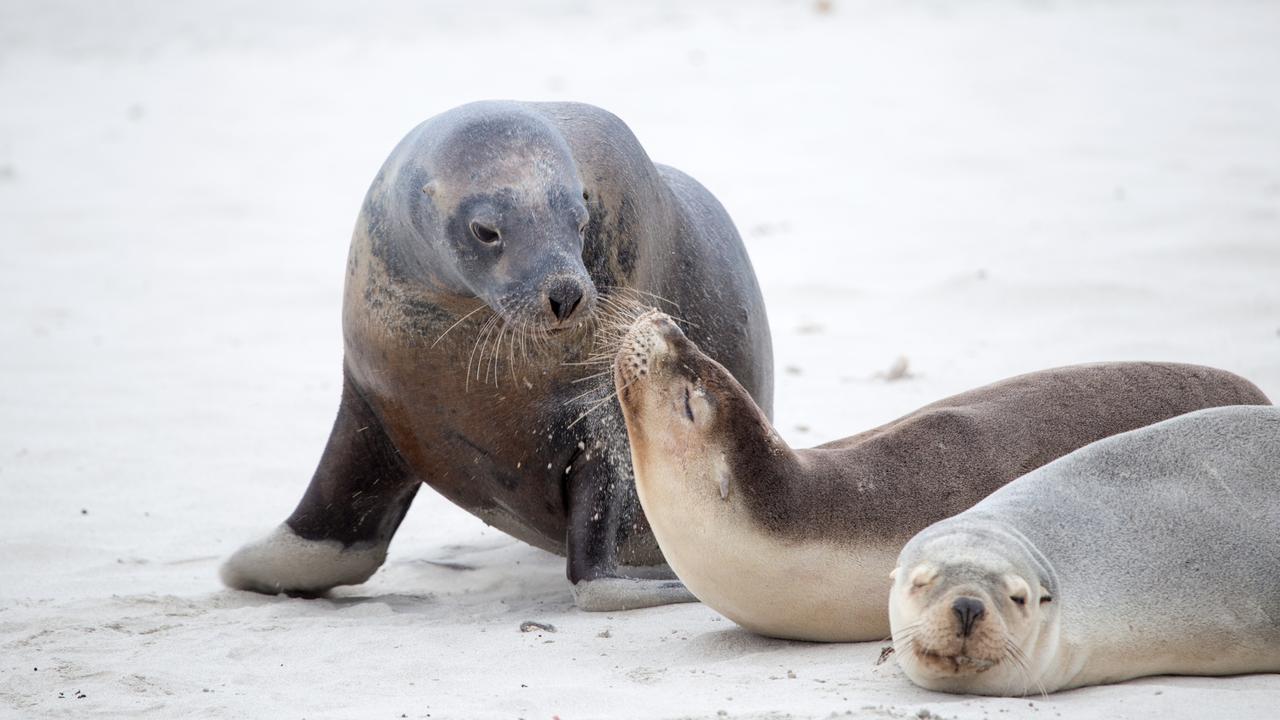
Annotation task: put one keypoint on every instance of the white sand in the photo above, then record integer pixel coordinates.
(984, 188)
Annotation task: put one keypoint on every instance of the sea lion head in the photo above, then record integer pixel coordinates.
(972, 610)
(496, 210)
(684, 411)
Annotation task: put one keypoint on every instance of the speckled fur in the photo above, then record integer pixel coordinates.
(1160, 549)
(578, 201)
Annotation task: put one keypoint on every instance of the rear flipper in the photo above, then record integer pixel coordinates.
(340, 531)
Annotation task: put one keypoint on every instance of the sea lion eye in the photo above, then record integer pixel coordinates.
(688, 409)
(1019, 600)
(1045, 599)
(923, 575)
(484, 233)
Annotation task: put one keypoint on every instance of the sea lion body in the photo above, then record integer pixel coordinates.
(1153, 552)
(492, 245)
(799, 543)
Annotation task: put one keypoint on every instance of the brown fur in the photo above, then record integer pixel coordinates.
(889, 482)
(896, 479)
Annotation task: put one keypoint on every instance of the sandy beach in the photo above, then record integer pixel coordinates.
(935, 196)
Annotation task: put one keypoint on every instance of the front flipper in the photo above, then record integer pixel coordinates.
(600, 521)
(606, 594)
(284, 562)
(340, 531)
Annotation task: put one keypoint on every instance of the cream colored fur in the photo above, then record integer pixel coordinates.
(800, 590)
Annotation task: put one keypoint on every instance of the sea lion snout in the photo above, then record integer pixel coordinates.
(657, 323)
(957, 634)
(657, 362)
(651, 336)
(642, 345)
(655, 342)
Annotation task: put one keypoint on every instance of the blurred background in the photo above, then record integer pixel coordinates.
(935, 195)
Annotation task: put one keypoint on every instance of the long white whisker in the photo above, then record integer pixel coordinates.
(459, 322)
(481, 333)
(493, 356)
(601, 403)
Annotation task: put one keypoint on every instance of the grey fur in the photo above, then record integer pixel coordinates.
(1160, 546)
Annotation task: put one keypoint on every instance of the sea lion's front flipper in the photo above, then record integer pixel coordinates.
(339, 533)
(601, 522)
(621, 593)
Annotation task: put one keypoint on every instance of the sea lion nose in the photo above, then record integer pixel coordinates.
(968, 611)
(564, 296)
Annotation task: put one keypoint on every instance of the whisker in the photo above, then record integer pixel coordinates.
(511, 355)
(579, 396)
(601, 403)
(633, 310)
(592, 376)
(481, 333)
(588, 363)
(524, 332)
(637, 291)
(459, 322)
(1020, 657)
(493, 355)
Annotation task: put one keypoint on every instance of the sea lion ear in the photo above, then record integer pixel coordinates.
(429, 189)
(720, 471)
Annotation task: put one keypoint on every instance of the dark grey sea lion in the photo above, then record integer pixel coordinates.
(493, 249)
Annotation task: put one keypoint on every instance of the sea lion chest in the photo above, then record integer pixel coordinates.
(806, 589)
(498, 446)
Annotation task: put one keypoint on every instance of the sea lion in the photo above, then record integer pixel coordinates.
(1154, 552)
(491, 250)
(799, 543)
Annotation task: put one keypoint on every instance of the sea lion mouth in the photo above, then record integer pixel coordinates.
(957, 664)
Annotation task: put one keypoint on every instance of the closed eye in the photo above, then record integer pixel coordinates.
(1018, 600)
(688, 409)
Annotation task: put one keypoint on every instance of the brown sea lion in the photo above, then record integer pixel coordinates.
(800, 543)
(490, 249)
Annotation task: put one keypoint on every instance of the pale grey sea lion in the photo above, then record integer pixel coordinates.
(1153, 552)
